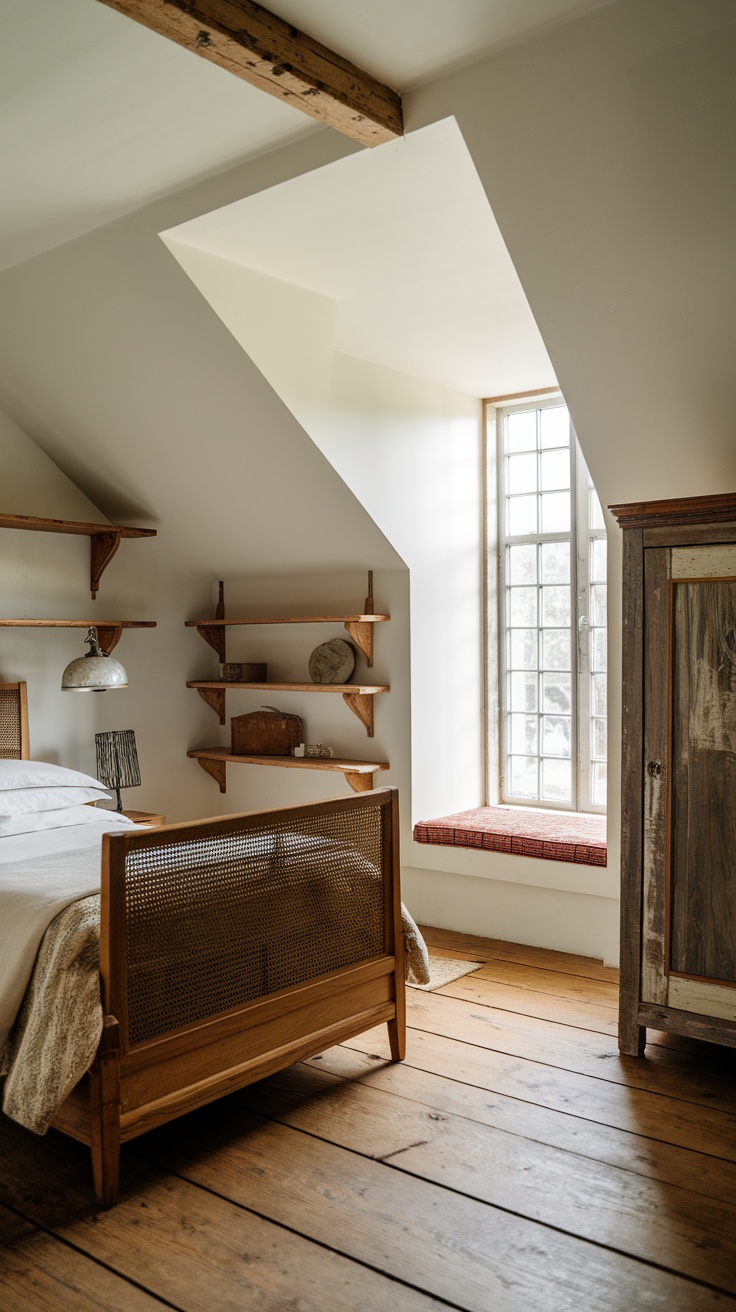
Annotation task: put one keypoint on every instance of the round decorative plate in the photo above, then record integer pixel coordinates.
(332, 662)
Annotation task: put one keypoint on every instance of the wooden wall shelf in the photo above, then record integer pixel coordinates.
(108, 631)
(359, 774)
(358, 696)
(104, 538)
(359, 627)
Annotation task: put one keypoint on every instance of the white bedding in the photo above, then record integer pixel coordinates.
(40, 875)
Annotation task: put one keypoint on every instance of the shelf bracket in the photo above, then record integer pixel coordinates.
(214, 634)
(108, 636)
(362, 636)
(361, 704)
(360, 783)
(216, 769)
(102, 549)
(214, 697)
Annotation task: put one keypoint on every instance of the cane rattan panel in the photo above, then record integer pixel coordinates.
(11, 722)
(225, 918)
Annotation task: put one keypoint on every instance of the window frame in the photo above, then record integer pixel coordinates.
(581, 535)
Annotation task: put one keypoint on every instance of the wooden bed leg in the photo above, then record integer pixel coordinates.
(105, 1115)
(397, 1039)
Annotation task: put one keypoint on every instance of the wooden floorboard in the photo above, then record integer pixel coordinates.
(513, 1163)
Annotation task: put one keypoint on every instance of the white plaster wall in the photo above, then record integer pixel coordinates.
(411, 454)
(46, 576)
(605, 149)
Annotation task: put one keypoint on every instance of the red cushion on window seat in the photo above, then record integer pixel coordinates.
(558, 837)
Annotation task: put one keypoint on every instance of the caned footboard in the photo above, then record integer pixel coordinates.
(231, 948)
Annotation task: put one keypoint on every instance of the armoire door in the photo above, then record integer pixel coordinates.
(689, 894)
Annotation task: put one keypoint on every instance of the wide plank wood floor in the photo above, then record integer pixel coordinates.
(513, 1163)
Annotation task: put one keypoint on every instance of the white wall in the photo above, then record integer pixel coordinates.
(47, 577)
(411, 454)
(605, 149)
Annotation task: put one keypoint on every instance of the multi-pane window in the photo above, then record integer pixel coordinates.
(553, 614)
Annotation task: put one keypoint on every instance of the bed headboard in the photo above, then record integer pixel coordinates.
(14, 740)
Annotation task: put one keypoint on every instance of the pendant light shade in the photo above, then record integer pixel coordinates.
(95, 672)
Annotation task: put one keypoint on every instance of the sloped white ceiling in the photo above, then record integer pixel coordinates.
(99, 115)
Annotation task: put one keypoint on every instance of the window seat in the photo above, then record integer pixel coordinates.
(554, 836)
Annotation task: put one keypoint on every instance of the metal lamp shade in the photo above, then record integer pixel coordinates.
(95, 672)
(117, 760)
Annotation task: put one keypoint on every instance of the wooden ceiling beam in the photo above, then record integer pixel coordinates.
(261, 48)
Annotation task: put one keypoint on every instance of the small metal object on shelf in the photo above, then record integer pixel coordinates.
(313, 751)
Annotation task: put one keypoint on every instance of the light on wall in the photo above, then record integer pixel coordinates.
(94, 672)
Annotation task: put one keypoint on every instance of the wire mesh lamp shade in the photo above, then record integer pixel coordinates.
(117, 761)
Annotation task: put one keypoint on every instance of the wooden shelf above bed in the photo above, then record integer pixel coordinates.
(104, 538)
(108, 631)
(359, 774)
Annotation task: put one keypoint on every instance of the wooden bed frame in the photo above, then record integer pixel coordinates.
(137, 1083)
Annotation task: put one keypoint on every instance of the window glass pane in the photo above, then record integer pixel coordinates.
(555, 469)
(599, 784)
(595, 514)
(556, 781)
(598, 560)
(523, 782)
(556, 735)
(522, 564)
(523, 691)
(522, 607)
(598, 650)
(522, 516)
(555, 512)
(523, 649)
(522, 474)
(598, 604)
(598, 685)
(557, 693)
(523, 734)
(598, 746)
(521, 431)
(556, 607)
(555, 562)
(556, 649)
(554, 427)
(543, 479)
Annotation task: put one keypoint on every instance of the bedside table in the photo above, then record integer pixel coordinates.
(145, 817)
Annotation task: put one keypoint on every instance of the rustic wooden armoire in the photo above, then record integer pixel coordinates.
(678, 896)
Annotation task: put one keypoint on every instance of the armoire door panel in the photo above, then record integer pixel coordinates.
(702, 865)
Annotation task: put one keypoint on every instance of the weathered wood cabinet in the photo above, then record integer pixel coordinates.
(678, 900)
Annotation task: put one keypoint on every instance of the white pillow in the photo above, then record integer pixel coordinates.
(36, 821)
(22, 801)
(42, 774)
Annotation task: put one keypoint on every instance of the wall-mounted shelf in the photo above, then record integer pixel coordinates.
(359, 774)
(104, 538)
(108, 631)
(358, 696)
(360, 628)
